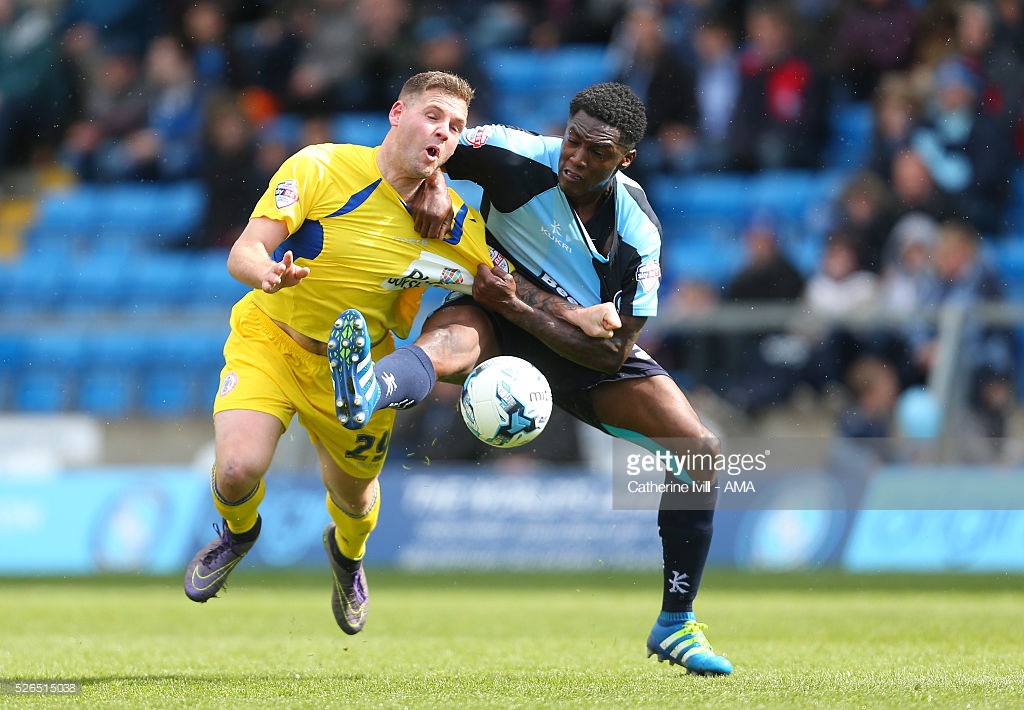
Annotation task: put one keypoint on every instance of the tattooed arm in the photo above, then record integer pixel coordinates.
(593, 337)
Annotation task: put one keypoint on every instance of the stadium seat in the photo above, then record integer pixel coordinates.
(43, 390)
(168, 392)
(361, 128)
(209, 285)
(850, 135)
(701, 257)
(131, 215)
(157, 283)
(532, 87)
(107, 391)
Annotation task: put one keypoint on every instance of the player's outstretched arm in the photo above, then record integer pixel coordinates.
(558, 323)
(250, 262)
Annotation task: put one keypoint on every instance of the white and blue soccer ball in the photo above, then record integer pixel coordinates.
(506, 402)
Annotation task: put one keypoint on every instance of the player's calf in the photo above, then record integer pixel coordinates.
(361, 387)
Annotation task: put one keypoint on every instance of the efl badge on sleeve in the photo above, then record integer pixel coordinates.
(649, 276)
(478, 137)
(286, 194)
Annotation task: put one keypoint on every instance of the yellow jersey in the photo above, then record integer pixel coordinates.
(356, 235)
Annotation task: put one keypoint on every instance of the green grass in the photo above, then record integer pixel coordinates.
(517, 641)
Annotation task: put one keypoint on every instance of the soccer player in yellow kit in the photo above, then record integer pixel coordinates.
(332, 232)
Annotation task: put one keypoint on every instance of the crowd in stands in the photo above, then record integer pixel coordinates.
(130, 90)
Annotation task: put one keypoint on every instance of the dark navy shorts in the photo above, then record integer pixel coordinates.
(570, 383)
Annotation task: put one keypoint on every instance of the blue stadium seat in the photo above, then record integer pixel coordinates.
(1007, 254)
(533, 87)
(361, 128)
(850, 136)
(209, 285)
(169, 392)
(701, 257)
(43, 390)
(158, 283)
(285, 128)
(95, 284)
(107, 391)
(130, 215)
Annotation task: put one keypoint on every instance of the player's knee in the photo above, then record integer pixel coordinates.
(710, 443)
(236, 476)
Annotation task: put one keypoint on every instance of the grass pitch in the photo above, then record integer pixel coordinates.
(517, 641)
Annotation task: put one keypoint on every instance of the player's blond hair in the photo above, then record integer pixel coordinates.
(419, 84)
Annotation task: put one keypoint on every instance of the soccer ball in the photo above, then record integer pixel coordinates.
(506, 402)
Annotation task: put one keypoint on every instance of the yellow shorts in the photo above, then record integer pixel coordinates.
(266, 371)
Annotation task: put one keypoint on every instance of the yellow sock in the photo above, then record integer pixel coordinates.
(240, 515)
(352, 531)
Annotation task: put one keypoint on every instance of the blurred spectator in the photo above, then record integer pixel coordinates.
(895, 109)
(442, 44)
(907, 269)
(875, 387)
(646, 62)
(963, 277)
(997, 65)
(872, 37)
(504, 23)
(841, 287)
(839, 295)
(960, 143)
(781, 114)
(913, 187)
(130, 24)
(232, 178)
(328, 73)
(33, 86)
(169, 146)
(315, 130)
(903, 289)
(866, 211)
(114, 107)
(269, 49)
(767, 274)
(390, 49)
(764, 365)
(217, 63)
(718, 88)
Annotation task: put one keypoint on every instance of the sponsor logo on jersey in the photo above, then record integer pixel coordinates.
(413, 278)
(414, 241)
(477, 137)
(649, 276)
(451, 276)
(549, 281)
(286, 194)
(430, 270)
(554, 233)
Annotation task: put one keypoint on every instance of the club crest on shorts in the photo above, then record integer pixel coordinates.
(230, 380)
(286, 194)
(649, 276)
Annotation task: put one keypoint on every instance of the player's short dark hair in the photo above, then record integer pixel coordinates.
(423, 82)
(615, 104)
